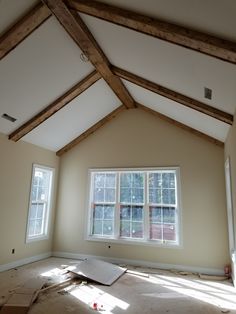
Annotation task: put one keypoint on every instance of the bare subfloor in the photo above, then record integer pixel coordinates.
(160, 292)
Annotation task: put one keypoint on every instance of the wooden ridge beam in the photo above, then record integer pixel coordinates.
(79, 32)
(175, 96)
(91, 130)
(181, 125)
(58, 104)
(23, 28)
(175, 34)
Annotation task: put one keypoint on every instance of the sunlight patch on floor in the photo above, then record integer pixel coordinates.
(90, 294)
(214, 293)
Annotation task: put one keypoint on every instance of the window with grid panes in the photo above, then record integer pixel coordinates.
(39, 207)
(135, 206)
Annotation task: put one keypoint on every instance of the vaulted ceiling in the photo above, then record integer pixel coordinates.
(69, 67)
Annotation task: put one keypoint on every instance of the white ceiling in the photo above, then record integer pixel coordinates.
(43, 67)
(169, 65)
(187, 116)
(71, 121)
(47, 63)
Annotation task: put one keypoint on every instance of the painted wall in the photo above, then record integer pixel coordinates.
(16, 161)
(138, 139)
(230, 151)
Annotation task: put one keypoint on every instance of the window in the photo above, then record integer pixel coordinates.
(135, 206)
(39, 207)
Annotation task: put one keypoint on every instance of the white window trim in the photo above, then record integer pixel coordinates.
(44, 236)
(145, 241)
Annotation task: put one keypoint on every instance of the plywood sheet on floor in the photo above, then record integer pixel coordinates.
(99, 271)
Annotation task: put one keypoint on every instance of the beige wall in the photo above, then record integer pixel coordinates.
(137, 139)
(230, 151)
(16, 161)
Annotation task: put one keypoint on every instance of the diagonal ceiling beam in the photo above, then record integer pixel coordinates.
(91, 130)
(181, 125)
(23, 28)
(180, 98)
(182, 36)
(55, 106)
(77, 29)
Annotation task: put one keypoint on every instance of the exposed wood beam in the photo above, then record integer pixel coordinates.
(181, 125)
(77, 29)
(23, 28)
(180, 98)
(182, 36)
(55, 106)
(91, 130)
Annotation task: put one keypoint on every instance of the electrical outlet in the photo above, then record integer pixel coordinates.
(13, 251)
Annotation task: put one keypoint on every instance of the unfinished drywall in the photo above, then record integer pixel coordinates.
(16, 161)
(138, 139)
(230, 151)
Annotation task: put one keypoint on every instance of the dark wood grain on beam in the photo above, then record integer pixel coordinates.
(23, 28)
(55, 106)
(181, 125)
(91, 130)
(182, 36)
(77, 29)
(175, 96)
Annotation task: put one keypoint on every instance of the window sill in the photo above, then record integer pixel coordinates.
(36, 238)
(154, 243)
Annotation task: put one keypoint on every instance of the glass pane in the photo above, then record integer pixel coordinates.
(155, 214)
(98, 212)
(34, 193)
(125, 180)
(110, 195)
(137, 213)
(109, 212)
(31, 227)
(137, 196)
(169, 215)
(169, 232)
(99, 195)
(40, 211)
(137, 230)
(172, 180)
(108, 227)
(165, 180)
(154, 196)
(155, 180)
(33, 211)
(125, 212)
(97, 227)
(156, 231)
(124, 228)
(138, 180)
(125, 195)
(99, 180)
(38, 227)
(166, 196)
(110, 180)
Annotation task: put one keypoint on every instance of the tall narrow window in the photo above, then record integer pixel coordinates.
(135, 206)
(40, 199)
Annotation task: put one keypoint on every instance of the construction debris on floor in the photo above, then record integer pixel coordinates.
(21, 299)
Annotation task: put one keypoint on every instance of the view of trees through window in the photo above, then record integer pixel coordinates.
(134, 204)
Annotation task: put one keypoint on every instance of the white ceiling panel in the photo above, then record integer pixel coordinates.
(39, 70)
(178, 112)
(71, 121)
(12, 10)
(210, 16)
(172, 66)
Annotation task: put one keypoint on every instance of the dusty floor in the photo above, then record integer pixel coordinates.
(161, 292)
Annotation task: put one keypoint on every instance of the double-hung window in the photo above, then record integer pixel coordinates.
(39, 206)
(135, 206)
